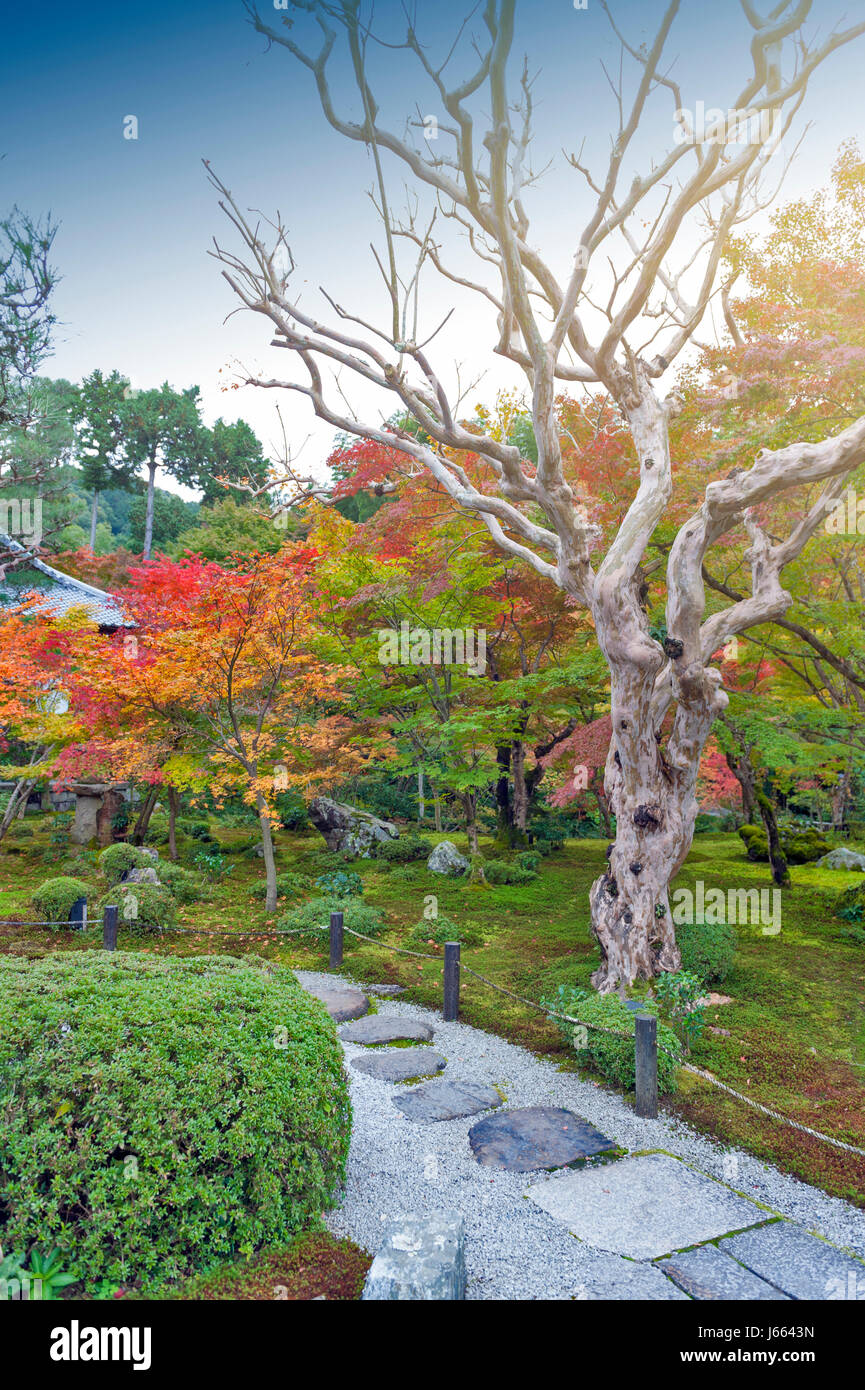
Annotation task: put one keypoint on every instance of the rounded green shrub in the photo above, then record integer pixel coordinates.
(142, 906)
(850, 905)
(288, 885)
(157, 829)
(307, 918)
(528, 859)
(53, 899)
(707, 949)
(342, 883)
(169, 1113)
(184, 886)
(442, 929)
(803, 846)
(499, 871)
(405, 850)
(613, 1057)
(117, 859)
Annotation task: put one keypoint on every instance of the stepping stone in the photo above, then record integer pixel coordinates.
(446, 1100)
(798, 1263)
(400, 1063)
(541, 1136)
(341, 1001)
(644, 1207)
(707, 1273)
(385, 989)
(422, 1258)
(385, 1028)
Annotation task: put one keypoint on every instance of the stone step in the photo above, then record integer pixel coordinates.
(446, 1100)
(341, 1001)
(799, 1264)
(707, 1273)
(385, 1028)
(644, 1207)
(541, 1136)
(422, 1259)
(400, 1063)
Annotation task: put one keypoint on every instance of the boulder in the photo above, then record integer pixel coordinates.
(142, 876)
(347, 829)
(421, 1259)
(843, 858)
(446, 859)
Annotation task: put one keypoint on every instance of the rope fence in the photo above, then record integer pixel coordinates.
(646, 1045)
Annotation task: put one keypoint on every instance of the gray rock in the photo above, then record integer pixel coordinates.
(347, 829)
(143, 876)
(707, 1273)
(386, 1028)
(541, 1136)
(400, 1063)
(446, 859)
(446, 1100)
(797, 1263)
(341, 1001)
(151, 853)
(422, 1258)
(387, 990)
(843, 858)
(643, 1207)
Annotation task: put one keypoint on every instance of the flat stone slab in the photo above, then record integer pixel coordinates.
(643, 1207)
(385, 1028)
(400, 1063)
(341, 1001)
(446, 1100)
(797, 1263)
(422, 1258)
(522, 1141)
(707, 1273)
(385, 989)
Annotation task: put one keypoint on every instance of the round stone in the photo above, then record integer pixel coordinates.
(541, 1136)
(341, 1001)
(400, 1063)
(385, 1028)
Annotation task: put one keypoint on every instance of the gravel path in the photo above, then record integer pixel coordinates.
(514, 1249)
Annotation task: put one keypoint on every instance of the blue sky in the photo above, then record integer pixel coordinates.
(139, 291)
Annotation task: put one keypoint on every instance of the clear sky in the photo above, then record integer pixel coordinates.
(139, 291)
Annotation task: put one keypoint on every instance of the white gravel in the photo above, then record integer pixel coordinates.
(514, 1249)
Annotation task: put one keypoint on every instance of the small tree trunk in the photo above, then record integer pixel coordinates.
(269, 858)
(17, 799)
(172, 823)
(437, 807)
(140, 828)
(93, 517)
(421, 808)
(603, 810)
(780, 871)
(470, 803)
(743, 770)
(521, 795)
(148, 511)
(504, 810)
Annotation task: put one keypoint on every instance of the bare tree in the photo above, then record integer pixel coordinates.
(617, 324)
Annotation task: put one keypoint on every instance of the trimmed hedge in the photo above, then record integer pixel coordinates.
(169, 1112)
(707, 949)
(142, 906)
(441, 929)
(613, 1057)
(117, 859)
(54, 898)
(307, 918)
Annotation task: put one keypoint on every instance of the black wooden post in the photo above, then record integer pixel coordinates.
(109, 928)
(336, 938)
(78, 914)
(646, 1065)
(452, 982)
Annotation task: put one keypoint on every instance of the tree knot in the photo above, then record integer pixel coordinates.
(648, 817)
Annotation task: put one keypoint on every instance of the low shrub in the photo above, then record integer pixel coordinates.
(707, 949)
(798, 846)
(850, 905)
(406, 850)
(196, 830)
(613, 1057)
(157, 829)
(498, 871)
(341, 883)
(53, 899)
(142, 906)
(307, 919)
(288, 885)
(442, 929)
(187, 1110)
(118, 859)
(528, 859)
(183, 885)
(291, 809)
